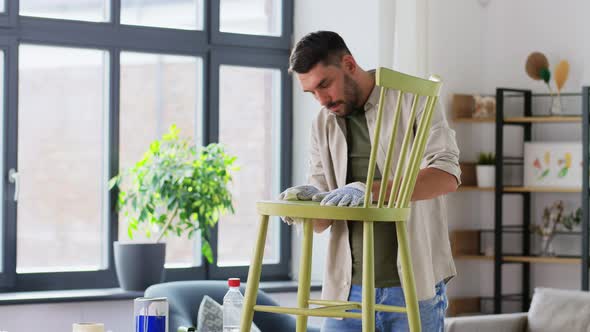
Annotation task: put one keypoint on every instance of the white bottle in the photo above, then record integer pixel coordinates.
(233, 302)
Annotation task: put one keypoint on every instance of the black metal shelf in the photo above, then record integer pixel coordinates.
(526, 258)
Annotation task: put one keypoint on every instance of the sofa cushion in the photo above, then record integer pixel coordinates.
(559, 310)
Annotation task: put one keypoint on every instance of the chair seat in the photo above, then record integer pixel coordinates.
(313, 210)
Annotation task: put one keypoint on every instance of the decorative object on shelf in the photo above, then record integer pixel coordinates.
(465, 242)
(485, 107)
(485, 169)
(462, 106)
(553, 219)
(553, 164)
(465, 106)
(560, 75)
(177, 187)
(537, 67)
(468, 177)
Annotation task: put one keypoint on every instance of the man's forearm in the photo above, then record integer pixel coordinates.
(320, 225)
(430, 183)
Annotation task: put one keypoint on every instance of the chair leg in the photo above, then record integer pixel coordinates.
(408, 284)
(368, 301)
(254, 277)
(304, 274)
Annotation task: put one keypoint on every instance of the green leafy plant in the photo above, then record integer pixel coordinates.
(572, 219)
(486, 159)
(553, 216)
(176, 187)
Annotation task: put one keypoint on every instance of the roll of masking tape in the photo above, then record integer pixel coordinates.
(88, 327)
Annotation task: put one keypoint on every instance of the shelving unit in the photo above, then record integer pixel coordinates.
(475, 188)
(508, 189)
(499, 258)
(525, 257)
(474, 120)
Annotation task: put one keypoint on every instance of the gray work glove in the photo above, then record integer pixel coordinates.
(298, 193)
(352, 194)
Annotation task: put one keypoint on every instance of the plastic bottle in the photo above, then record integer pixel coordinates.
(233, 302)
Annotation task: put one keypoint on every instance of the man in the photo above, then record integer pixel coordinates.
(340, 149)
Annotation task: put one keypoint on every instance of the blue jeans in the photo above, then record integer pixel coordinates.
(432, 312)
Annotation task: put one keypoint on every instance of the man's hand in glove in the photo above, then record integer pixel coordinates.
(352, 194)
(298, 193)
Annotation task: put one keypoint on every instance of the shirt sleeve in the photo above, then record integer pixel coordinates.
(316, 175)
(441, 149)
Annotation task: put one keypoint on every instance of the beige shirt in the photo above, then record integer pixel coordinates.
(427, 225)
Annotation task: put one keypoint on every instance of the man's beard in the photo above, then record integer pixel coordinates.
(352, 96)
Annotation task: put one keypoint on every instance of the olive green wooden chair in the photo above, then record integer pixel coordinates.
(397, 210)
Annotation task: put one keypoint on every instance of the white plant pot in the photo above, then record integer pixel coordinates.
(486, 175)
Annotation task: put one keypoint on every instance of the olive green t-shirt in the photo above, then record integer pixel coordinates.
(385, 240)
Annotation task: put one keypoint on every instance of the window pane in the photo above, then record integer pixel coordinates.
(2, 6)
(156, 92)
(249, 117)
(81, 10)
(176, 14)
(61, 157)
(252, 17)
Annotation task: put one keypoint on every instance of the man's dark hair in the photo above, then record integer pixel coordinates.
(326, 47)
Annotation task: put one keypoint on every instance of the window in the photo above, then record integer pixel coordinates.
(86, 85)
(178, 14)
(156, 92)
(82, 10)
(61, 154)
(253, 17)
(249, 98)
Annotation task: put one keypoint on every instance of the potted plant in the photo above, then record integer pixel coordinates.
(176, 188)
(485, 170)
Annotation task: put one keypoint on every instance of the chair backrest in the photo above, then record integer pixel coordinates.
(407, 166)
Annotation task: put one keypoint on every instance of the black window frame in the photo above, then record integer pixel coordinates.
(209, 44)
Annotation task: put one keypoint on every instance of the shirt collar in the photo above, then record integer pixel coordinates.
(373, 99)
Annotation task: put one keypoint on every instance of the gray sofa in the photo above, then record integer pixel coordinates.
(551, 310)
(184, 298)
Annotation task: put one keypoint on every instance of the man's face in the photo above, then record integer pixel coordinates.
(332, 87)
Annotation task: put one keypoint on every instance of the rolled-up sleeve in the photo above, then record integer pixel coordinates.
(316, 175)
(441, 149)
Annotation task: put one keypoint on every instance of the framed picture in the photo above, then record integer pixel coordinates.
(553, 164)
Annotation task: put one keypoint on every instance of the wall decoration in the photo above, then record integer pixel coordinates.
(537, 67)
(553, 164)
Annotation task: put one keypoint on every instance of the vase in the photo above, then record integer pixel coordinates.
(139, 265)
(555, 108)
(547, 245)
(486, 175)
